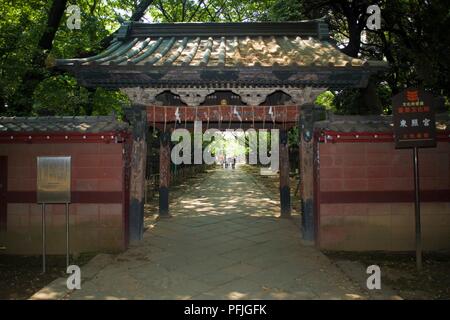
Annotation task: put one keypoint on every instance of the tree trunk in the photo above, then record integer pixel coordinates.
(354, 43)
(54, 19)
(368, 96)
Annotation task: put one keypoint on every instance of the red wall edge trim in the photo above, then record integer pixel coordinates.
(383, 196)
(77, 197)
(367, 136)
(61, 137)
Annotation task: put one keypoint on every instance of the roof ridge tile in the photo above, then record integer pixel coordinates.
(84, 124)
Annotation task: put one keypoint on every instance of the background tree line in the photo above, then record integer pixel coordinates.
(414, 39)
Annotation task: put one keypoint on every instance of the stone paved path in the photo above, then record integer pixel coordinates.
(224, 241)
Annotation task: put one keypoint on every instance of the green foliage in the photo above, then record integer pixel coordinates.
(293, 136)
(20, 26)
(23, 82)
(348, 101)
(106, 102)
(210, 11)
(59, 95)
(287, 10)
(417, 38)
(414, 40)
(326, 99)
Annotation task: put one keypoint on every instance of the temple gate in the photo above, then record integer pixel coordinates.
(227, 75)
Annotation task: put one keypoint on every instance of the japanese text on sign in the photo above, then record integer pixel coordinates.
(414, 123)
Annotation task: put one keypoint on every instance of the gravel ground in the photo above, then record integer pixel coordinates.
(21, 276)
(398, 270)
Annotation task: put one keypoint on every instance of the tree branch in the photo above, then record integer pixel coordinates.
(200, 3)
(141, 9)
(136, 16)
(164, 12)
(183, 10)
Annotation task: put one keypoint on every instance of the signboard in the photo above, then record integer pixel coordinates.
(53, 179)
(414, 120)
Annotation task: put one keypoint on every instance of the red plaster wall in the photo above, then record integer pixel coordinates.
(348, 172)
(97, 219)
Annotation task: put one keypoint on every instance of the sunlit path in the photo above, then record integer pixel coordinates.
(224, 241)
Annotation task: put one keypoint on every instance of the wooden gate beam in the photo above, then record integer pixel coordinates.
(223, 114)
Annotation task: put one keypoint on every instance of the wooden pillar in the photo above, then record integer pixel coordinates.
(285, 193)
(307, 171)
(137, 117)
(164, 174)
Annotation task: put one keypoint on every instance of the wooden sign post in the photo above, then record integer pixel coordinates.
(415, 127)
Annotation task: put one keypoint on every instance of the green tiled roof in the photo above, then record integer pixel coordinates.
(216, 44)
(256, 53)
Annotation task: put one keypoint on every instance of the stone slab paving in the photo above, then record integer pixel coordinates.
(223, 241)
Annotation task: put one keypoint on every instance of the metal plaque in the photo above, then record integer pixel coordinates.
(53, 179)
(414, 120)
